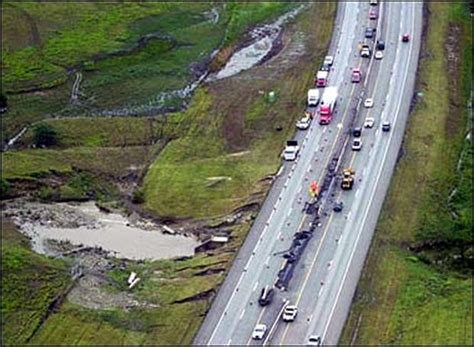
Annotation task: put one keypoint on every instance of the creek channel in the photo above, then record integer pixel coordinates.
(59, 228)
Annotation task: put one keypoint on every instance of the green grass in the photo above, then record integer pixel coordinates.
(433, 309)
(104, 161)
(108, 132)
(400, 299)
(30, 284)
(247, 14)
(66, 39)
(197, 175)
(162, 283)
(40, 41)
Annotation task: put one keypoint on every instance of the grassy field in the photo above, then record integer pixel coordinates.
(30, 284)
(110, 43)
(232, 142)
(171, 285)
(403, 297)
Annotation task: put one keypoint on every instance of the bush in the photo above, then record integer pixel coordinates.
(4, 189)
(47, 194)
(138, 196)
(3, 102)
(45, 135)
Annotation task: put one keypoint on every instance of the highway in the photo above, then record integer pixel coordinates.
(325, 278)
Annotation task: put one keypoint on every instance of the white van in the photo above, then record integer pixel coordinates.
(313, 97)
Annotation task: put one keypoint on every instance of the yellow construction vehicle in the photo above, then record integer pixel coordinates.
(347, 179)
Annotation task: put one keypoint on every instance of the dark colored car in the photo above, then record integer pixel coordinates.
(369, 33)
(386, 126)
(266, 296)
(405, 37)
(380, 45)
(357, 132)
(338, 206)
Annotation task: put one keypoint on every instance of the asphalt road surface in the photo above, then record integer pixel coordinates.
(326, 276)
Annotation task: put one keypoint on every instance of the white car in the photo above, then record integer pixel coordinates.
(329, 60)
(304, 123)
(290, 312)
(369, 122)
(357, 144)
(378, 55)
(314, 340)
(365, 53)
(290, 153)
(259, 331)
(369, 102)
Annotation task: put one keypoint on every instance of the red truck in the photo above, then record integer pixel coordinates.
(328, 103)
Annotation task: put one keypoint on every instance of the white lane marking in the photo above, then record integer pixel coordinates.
(271, 215)
(267, 260)
(255, 286)
(379, 174)
(289, 211)
(320, 291)
(240, 280)
(324, 129)
(299, 190)
(279, 234)
(241, 315)
(229, 342)
(248, 262)
(357, 192)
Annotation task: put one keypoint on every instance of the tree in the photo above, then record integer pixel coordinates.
(44, 135)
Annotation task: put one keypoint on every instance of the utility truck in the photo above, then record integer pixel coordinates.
(328, 103)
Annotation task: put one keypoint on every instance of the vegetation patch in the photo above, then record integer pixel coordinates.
(232, 116)
(30, 285)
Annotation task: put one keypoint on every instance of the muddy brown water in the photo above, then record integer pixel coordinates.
(84, 225)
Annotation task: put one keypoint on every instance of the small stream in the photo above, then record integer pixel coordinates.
(264, 39)
(84, 225)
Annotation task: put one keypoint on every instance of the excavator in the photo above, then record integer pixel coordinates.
(347, 179)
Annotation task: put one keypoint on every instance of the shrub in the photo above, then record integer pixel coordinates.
(44, 135)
